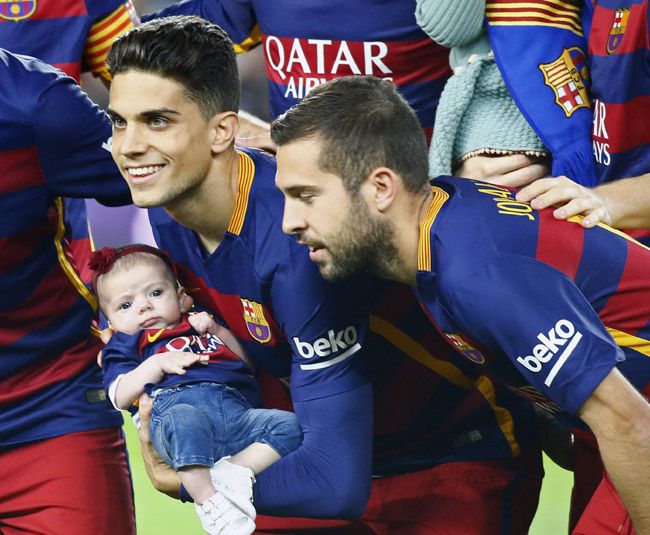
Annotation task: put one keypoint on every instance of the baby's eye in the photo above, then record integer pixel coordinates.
(126, 305)
(156, 293)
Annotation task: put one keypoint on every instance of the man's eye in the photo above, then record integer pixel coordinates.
(306, 198)
(118, 122)
(158, 122)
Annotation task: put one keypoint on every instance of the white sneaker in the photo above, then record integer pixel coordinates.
(221, 517)
(235, 482)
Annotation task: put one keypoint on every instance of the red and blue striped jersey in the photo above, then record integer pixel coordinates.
(124, 353)
(544, 305)
(49, 382)
(308, 43)
(619, 47)
(72, 35)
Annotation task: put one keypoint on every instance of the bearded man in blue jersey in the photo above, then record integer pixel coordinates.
(513, 290)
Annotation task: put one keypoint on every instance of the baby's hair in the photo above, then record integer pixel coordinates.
(109, 261)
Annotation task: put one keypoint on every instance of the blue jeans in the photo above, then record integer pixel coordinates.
(199, 423)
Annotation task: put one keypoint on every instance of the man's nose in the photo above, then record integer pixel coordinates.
(130, 141)
(293, 221)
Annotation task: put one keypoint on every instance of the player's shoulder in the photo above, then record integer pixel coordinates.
(262, 203)
(23, 79)
(260, 168)
(481, 219)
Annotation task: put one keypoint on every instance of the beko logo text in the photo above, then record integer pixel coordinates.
(563, 336)
(323, 347)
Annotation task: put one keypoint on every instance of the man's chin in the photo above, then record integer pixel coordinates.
(325, 269)
(331, 274)
(145, 201)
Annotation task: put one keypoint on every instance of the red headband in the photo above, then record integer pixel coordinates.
(102, 260)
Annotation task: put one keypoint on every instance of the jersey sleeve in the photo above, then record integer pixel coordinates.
(536, 317)
(326, 327)
(108, 26)
(73, 137)
(237, 18)
(329, 475)
(119, 356)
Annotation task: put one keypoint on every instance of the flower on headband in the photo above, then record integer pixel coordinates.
(102, 260)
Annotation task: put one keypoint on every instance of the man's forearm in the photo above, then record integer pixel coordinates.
(329, 475)
(620, 418)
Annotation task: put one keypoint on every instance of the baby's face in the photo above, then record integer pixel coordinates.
(141, 297)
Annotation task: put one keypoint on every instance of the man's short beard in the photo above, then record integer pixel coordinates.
(363, 244)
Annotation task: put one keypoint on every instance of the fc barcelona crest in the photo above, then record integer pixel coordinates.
(255, 321)
(568, 77)
(617, 30)
(461, 345)
(17, 9)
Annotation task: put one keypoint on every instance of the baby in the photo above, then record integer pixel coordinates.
(203, 389)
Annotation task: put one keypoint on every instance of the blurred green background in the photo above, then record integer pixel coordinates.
(157, 514)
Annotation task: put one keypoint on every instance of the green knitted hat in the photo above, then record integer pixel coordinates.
(476, 115)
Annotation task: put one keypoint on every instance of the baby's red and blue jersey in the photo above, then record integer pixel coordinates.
(50, 383)
(308, 43)
(546, 306)
(261, 283)
(124, 353)
(619, 47)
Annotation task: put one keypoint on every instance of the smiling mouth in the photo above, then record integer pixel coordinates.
(137, 174)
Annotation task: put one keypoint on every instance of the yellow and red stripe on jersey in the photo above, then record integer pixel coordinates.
(560, 14)
(102, 34)
(244, 183)
(424, 249)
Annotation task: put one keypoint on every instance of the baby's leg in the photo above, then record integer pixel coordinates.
(262, 437)
(258, 457)
(197, 482)
(184, 436)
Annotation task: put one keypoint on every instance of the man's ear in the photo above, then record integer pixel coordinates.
(224, 127)
(384, 185)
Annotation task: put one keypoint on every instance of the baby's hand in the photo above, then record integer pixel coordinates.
(177, 361)
(202, 323)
